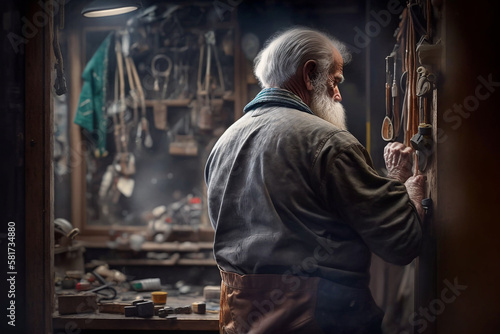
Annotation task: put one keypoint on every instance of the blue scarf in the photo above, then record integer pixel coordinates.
(277, 97)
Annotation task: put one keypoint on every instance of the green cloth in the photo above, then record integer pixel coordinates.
(91, 112)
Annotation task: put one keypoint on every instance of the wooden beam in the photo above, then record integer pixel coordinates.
(39, 179)
(77, 153)
(206, 323)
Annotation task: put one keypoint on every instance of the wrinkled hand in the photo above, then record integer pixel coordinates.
(415, 186)
(398, 161)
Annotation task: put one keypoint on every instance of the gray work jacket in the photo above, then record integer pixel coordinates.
(290, 194)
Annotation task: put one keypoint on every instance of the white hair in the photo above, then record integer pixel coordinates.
(323, 106)
(286, 51)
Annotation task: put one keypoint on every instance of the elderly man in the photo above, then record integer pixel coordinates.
(296, 204)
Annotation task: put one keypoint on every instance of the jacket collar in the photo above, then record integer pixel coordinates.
(277, 97)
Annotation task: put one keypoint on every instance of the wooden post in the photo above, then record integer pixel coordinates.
(39, 179)
(77, 153)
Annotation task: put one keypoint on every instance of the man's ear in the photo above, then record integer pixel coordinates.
(309, 73)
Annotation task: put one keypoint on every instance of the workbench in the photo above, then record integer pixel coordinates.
(207, 323)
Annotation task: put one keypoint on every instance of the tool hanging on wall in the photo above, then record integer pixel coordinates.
(387, 126)
(183, 141)
(391, 123)
(411, 103)
(208, 85)
(395, 96)
(124, 162)
(144, 124)
(405, 115)
(133, 93)
(422, 141)
(181, 78)
(207, 103)
(182, 138)
(161, 67)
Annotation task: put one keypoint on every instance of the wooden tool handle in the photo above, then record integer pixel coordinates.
(395, 110)
(119, 61)
(387, 99)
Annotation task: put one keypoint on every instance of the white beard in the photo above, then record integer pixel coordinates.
(325, 107)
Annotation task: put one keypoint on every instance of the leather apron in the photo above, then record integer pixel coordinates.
(263, 303)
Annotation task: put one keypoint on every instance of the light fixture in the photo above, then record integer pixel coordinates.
(104, 8)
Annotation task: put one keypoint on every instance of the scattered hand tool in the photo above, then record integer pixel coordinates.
(145, 309)
(106, 290)
(199, 307)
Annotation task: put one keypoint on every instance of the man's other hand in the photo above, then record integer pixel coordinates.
(398, 161)
(415, 186)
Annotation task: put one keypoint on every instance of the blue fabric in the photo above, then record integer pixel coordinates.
(277, 97)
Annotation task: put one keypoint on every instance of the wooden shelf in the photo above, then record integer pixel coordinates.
(196, 262)
(228, 96)
(149, 246)
(173, 261)
(169, 103)
(177, 248)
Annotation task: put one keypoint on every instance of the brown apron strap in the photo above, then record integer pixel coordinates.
(269, 281)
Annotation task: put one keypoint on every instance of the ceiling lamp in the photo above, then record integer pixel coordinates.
(104, 8)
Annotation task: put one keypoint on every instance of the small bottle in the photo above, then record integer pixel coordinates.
(147, 284)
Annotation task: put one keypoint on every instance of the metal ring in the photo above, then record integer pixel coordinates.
(156, 72)
(422, 70)
(431, 77)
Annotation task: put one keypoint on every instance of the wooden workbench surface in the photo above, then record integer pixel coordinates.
(194, 322)
(110, 321)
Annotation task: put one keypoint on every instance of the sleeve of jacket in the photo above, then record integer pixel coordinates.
(378, 208)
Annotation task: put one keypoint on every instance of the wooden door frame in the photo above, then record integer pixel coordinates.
(39, 193)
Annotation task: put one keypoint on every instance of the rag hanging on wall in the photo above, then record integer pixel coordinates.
(91, 112)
